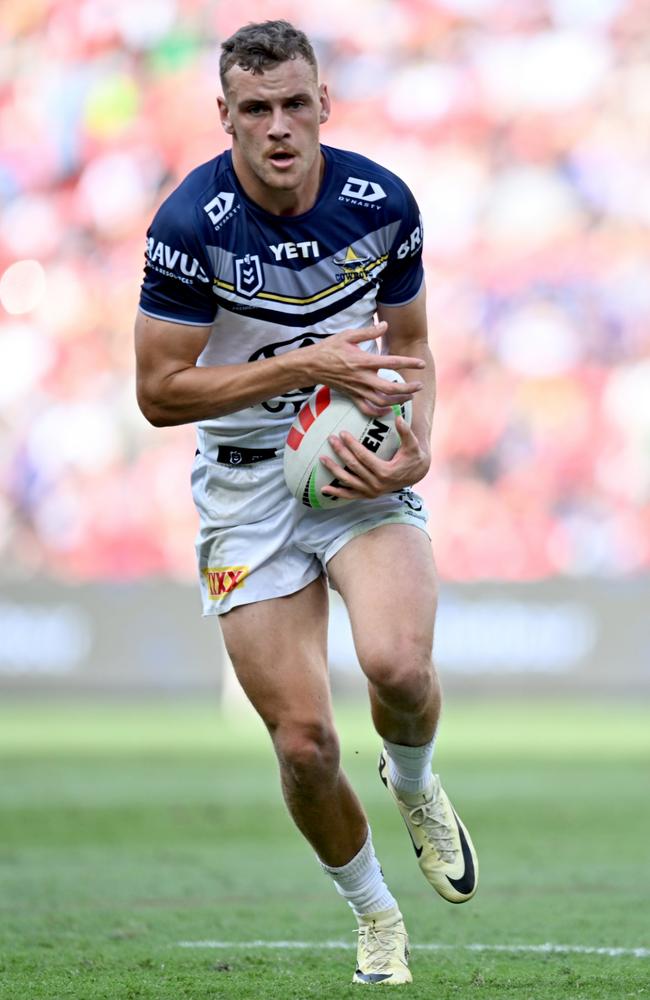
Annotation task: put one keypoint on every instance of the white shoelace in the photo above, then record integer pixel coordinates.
(381, 944)
(432, 819)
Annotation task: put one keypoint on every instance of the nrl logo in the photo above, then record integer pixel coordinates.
(352, 267)
(249, 279)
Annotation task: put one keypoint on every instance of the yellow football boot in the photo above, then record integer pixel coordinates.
(442, 844)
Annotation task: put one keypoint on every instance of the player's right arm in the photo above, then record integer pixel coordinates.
(173, 389)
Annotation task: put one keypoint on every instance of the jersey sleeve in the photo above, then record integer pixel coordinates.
(177, 284)
(403, 276)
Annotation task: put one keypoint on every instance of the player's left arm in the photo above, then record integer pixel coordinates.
(359, 471)
(407, 327)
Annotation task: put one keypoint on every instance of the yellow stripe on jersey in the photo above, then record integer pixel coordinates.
(290, 300)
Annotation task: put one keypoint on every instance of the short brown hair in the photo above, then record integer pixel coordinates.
(257, 47)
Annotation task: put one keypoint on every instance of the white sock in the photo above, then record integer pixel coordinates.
(362, 883)
(409, 768)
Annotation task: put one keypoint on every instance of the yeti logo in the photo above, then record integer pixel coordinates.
(248, 275)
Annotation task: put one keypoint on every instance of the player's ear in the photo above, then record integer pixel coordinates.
(224, 115)
(325, 104)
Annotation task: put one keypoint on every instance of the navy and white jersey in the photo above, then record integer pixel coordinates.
(267, 284)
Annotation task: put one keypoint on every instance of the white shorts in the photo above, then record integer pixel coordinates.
(256, 541)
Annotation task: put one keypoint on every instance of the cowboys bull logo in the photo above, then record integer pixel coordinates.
(296, 397)
(352, 267)
(249, 279)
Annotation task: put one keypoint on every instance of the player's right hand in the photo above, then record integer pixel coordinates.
(339, 361)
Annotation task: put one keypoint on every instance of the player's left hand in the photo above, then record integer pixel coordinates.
(362, 475)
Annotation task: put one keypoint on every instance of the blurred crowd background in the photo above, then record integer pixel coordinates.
(522, 126)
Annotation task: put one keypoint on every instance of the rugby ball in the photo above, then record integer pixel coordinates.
(326, 412)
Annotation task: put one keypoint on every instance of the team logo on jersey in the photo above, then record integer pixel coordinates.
(359, 191)
(249, 279)
(293, 399)
(219, 208)
(305, 339)
(352, 267)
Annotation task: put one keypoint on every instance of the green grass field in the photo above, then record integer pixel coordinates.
(126, 831)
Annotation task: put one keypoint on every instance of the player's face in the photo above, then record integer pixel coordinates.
(274, 119)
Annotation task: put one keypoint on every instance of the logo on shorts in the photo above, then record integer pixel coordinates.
(222, 580)
(410, 500)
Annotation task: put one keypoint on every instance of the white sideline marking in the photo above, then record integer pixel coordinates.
(548, 948)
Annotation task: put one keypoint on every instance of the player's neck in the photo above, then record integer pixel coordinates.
(278, 201)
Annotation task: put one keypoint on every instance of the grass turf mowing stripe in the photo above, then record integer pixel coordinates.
(548, 948)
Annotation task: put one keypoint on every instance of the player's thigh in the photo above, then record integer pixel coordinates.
(387, 579)
(278, 649)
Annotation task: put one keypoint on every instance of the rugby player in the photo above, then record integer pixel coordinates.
(265, 271)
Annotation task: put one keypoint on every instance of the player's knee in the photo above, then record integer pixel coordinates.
(403, 672)
(307, 751)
